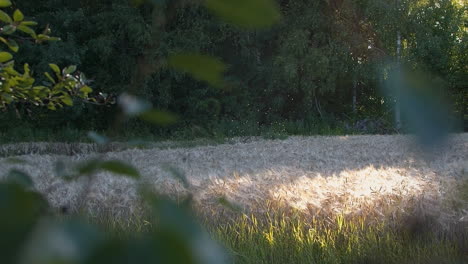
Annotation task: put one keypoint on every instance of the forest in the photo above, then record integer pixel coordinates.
(320, 70)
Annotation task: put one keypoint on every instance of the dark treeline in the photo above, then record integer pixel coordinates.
(322, 64)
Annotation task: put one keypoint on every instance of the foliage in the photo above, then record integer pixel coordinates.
(21, 88)
(301, 68)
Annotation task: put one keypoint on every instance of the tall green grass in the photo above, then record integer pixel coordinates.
(279, 238)
(282, 239)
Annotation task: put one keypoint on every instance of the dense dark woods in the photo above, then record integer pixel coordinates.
(319, 70)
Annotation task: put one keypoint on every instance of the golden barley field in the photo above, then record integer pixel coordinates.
(371, 176)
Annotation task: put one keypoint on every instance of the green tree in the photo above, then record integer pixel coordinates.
(22, 88)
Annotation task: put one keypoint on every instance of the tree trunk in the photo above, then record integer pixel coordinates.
(398, 84)
(146, 64)
(354, 95)
(398, 78)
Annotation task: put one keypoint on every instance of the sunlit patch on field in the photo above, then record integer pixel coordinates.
(369, 192)
(378, 177)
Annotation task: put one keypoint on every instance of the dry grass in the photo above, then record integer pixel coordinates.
(376, 177)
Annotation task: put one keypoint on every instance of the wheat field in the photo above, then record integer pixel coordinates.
(371, 176)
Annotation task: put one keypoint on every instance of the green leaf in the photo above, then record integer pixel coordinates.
(13, 45)
(46, 244)
(5, 3)
(113, 166)
(8, 29)
(5, 56)
(27, 30)
(49, 77)
(246, 13)
(69, 70)
(28, 23)
(86, 90)
(18, 16)
(121, 168)
(5, 17)
(26, 68)
(19, 177)
(51, 106)
(423, 105)
(180, 236)
(158, 117)
(55, 68)
(10, 70)
(66, 99)
(20, 210)
(201, 67)
(42, 37)
(88, 167)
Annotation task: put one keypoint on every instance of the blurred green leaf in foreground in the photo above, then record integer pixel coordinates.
(424, 107)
